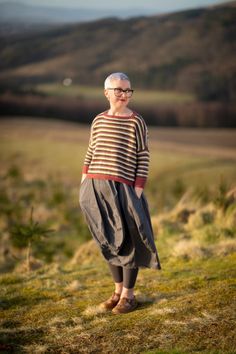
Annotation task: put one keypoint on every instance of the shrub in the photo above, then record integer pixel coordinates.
(24, 234)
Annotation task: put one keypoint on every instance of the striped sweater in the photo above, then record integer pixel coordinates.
(118, 149)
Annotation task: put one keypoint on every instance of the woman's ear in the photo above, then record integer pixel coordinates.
(106, 93)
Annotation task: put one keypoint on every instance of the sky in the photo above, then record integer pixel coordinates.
(155, 5)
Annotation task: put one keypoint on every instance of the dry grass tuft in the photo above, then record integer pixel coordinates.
(223, 248)
(163, 311)
(34, 265)
(56, 321)
(35, 348)
(208, 316)
(189, 249)
(86, 254)
(203, 216)
(175, 323)
(229, 219)
(54, 268)
(142, 298)
(75, 285)
(91, 311)
(100, 321)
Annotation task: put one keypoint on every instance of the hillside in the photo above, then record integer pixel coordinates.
(53, 307)
(22, 13)
(178, 51)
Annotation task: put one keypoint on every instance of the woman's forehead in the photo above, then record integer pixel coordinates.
(121, 83)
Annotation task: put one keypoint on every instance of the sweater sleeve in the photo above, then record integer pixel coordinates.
(143, 156)
(89, 153)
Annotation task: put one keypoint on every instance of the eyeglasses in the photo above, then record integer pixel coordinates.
(118, 91)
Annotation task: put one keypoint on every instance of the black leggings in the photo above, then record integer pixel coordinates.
(126, 275)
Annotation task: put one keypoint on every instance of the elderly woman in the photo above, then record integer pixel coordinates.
(111, 194)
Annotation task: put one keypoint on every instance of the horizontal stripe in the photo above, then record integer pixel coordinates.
(111, 163)
(115, 138)
(117, 147)
(113, 152)
(126, 128)
(114, 159)
(113, 134)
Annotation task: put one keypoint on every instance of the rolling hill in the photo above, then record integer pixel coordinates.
(14, 12)
(191, 50)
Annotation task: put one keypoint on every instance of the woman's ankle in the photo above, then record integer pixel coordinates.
(118, 288)
(128, 293)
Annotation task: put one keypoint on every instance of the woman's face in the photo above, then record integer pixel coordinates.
(117, 98)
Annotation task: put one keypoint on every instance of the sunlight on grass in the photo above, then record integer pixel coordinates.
(141, 97)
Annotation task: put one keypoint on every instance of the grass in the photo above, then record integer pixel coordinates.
(187, 307)
(48, 148)
(141, 97)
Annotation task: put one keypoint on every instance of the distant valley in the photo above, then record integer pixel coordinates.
(189, 51)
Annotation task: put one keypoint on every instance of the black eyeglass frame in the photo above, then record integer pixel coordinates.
(128, 92)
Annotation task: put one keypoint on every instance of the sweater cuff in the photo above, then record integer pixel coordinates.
(140, 182)
(85, 169)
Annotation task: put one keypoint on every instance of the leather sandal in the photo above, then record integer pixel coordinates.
(111, 302)
(125, 305)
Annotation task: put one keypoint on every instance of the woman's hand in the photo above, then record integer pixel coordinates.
(138, 191)
(83, 177)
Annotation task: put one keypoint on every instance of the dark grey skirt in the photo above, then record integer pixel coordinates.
(119, 222)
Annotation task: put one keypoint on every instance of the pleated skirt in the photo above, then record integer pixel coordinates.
(119, 222)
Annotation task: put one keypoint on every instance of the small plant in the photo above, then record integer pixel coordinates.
(14, 172)
(178, 188)
(202, 192)
(221, 201)
(24, 234)
(207, 217)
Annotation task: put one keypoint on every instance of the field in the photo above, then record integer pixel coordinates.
(141, 97)
(53, 306)
(180, 158)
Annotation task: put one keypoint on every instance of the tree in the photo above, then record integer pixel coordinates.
(24, 234)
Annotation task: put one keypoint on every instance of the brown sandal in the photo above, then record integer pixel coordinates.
(111, 302)
(125, 305)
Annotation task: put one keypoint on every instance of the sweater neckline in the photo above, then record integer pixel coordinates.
(117, 116)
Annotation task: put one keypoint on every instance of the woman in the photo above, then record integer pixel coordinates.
(111, 195)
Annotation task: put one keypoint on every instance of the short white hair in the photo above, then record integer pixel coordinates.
(115, 76)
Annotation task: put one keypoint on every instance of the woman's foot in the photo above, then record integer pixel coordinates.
(111, 302)
(125, 305)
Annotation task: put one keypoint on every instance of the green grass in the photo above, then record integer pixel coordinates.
(186, 308)
(141, 97)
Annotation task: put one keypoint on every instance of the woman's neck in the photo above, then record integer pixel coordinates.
(116, 112)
